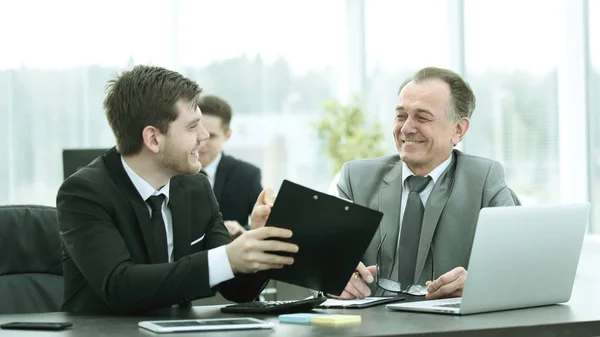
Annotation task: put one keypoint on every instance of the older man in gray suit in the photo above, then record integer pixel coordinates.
(430, 193)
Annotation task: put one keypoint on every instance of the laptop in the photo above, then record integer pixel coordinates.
(515, 251)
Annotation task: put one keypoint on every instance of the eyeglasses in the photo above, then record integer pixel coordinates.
(395, 286)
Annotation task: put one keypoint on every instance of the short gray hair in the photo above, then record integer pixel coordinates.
(463, 98)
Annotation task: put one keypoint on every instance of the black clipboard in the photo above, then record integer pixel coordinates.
(332, 235)
(384, 300)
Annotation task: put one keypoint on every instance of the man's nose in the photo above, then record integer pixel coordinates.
(202, 134)
(408, 127)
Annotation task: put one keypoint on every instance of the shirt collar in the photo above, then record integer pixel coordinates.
(435, 174)
(211, 169)
(144, 189)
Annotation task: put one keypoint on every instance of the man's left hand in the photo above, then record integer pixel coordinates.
(450, 284)
(262, 208)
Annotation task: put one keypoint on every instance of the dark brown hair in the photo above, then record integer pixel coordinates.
(215, 106)
(463, 98)
(142, 96)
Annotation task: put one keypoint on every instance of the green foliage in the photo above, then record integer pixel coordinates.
(345, 135)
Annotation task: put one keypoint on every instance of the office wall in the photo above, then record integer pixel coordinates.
(277, 62)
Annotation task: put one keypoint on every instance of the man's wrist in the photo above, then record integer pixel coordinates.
(231, 264)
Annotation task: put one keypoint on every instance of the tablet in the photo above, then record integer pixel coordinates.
(241, 323)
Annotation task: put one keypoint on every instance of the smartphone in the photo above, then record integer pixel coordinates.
(36, 326)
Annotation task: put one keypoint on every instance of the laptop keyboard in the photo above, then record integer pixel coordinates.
(449, 305)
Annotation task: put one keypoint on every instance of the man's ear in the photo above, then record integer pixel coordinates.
(227, 134)
(460, 130)
(151, 138)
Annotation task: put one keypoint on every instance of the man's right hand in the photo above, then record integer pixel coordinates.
(357, 286)
(249, 252)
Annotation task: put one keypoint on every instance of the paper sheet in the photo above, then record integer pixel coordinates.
(332, 302)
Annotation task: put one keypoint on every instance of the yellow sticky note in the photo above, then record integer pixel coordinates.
(336, 319)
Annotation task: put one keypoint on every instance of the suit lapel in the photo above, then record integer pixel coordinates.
(390, 199)
(181, 210)
(117, 171)
(433, 209)
(226, 165)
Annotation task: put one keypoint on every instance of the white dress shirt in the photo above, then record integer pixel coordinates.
(219, 269)
(435, 176)
(211, 169)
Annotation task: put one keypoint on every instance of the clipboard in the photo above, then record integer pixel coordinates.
(332, 235)
(359, 304)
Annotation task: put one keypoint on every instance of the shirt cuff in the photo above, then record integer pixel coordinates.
(219, 269)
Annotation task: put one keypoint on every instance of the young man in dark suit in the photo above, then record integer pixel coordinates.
(236, 183)
(140, 229)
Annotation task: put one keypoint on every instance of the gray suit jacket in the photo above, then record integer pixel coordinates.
(467, 185)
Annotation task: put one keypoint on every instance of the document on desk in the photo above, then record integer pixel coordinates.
(359, 303)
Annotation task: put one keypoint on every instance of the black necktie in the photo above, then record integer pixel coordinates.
(158, 228)
(411, 231)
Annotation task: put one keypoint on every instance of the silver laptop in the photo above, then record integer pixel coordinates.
(515, 250)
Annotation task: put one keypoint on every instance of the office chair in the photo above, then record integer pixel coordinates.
(31, 278)
(74, 159)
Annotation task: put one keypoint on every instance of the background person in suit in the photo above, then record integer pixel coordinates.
(236, 183)
(430, 193)
(140, 229)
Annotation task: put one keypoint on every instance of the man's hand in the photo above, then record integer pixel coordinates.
(234, 228)
(249, 252)
(262, 208)
(357, 286)
(450, 284)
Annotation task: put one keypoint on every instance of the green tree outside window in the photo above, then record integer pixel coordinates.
(345, 134)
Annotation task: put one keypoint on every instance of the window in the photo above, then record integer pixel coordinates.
(594, 110)
(53, 82)
(275, 70)
(516, 118)
(401, 37)
(276, 63)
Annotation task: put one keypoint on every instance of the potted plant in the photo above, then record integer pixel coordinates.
(346, 136)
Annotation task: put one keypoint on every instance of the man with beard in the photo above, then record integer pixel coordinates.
(430, 193)
(140, 229)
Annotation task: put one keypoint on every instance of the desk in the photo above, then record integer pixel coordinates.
(579, 317)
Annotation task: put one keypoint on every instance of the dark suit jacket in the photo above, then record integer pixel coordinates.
(106, 235)
(237, 187)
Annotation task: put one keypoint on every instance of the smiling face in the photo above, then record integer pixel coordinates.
(423, 133)
(179, 152)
